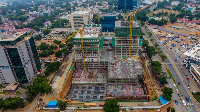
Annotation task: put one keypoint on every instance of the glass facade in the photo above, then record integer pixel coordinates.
(17, 64)
(125, 4)
(35, 54)
(108, 23)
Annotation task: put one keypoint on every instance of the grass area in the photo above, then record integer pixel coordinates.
(18, 93)
(150, 14)
(197, 96)
(2, 92)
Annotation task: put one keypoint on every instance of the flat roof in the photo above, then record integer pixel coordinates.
(126, 23)
(193, 52)
(80, 12)
(90, 31)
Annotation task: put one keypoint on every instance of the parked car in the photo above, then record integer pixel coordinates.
(176, 102)
(179, 94)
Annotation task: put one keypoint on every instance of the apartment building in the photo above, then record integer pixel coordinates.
(80, 18)
(19, 60)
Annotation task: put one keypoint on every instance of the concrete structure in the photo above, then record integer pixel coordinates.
(80, 18)
(192, 62)
(106, 75)
(122, 38)
(19, 60)
(125, 4)
(93, 44)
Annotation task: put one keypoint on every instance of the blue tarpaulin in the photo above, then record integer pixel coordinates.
(52, 104)
(163, 101)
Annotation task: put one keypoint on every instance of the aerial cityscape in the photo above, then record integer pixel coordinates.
(99, 55)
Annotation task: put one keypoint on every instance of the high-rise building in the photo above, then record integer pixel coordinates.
(19, 60)
(80, 18)
(108, 22)
(136, 3)
(125, 4)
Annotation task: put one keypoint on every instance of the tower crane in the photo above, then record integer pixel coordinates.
(131, 25)
(79, 31)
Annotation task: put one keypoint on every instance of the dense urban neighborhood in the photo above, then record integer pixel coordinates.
(99, 55)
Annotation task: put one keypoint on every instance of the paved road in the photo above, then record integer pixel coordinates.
(175, 95)
(176, 70)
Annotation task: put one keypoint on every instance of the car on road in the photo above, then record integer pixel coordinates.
(178, 83)
(179, 94)
(187, 99)
(185, 74)
(176, 102)
(187, 109)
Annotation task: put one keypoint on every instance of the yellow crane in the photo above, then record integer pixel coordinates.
(63, 42)
(79, 31)
(131, 25)
(82, 48)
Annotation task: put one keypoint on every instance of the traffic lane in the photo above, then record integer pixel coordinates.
(173, 71)
(184, 92)
(178, 106)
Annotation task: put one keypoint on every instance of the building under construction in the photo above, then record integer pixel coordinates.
(108, 72)
(122, 38)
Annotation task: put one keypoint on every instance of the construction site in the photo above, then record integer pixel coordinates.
(107, 67)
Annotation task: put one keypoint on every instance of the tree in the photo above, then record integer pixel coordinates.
(167, 93)
(38, 37)
(46, 32)
(43, 46)
(36, 28)
(170, 108)
(142, 23)
(53, 47)
(150, 51)
(12, 103)
(41, 85)
(57, 42)
(145, 43)
(111, 106)
(173, 18)
(163, 57)
(58, 53)
(156, 67)
(62, 105)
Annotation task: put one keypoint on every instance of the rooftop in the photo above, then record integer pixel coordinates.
(125, 23)
(90, 31)
(80, 12)
(193, 52)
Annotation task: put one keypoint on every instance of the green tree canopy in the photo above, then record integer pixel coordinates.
(38, 37)
(62, 105)
(150, 51)
(111, 106)
(167, 93)
(145, 43)
(173, 18)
